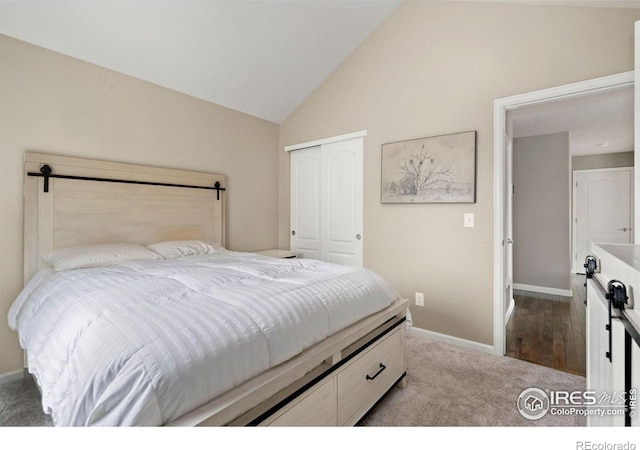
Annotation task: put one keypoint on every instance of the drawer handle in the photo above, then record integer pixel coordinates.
(382, 367)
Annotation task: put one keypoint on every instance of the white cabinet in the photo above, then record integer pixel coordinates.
(613, 352)
(327, 202)
(605, 366)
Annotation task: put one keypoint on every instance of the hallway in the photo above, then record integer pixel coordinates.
(550, 330)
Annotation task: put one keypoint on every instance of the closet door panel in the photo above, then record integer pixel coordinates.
(305, 202)
(326, 202)
(341, 215)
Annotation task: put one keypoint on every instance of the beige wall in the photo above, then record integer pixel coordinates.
(434, 68)
(604, 161)
(542, 211)
(52, 103)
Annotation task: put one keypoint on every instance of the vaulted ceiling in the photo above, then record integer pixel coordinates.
(261, 57)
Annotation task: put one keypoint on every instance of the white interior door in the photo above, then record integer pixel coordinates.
(508, 224)
(306, 178)
(342, 202)
(603, 210)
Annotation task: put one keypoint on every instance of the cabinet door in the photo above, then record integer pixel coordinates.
(604, 377)
(341, 211)
(305, 202)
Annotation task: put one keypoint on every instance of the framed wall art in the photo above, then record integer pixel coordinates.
(437, 169)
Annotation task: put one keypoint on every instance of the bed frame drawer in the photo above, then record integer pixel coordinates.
(318, 407)
(365, 379)
(347, 394)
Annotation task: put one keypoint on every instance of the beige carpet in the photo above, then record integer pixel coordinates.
(453, 386)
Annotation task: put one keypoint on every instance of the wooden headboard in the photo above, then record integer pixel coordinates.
(79, 211)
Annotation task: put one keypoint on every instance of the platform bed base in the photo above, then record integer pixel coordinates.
(336, 382)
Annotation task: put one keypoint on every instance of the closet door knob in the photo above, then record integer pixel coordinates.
(358, 237)
(293, 233)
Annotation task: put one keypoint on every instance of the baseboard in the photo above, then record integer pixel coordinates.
(507, 315)
(11, 376)
(543, 290)
(473, 345)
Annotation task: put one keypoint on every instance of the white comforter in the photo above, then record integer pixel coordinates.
(144, 342)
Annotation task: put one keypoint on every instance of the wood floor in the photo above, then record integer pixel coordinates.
(549, 329)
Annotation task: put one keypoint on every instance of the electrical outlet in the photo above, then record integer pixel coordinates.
(419, 299)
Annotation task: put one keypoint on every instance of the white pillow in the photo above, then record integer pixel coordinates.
(177, 249)
(99, 255)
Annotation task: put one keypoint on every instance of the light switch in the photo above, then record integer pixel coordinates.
(469, 219)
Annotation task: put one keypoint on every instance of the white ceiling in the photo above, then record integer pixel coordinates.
(259, 57)
(597, 123)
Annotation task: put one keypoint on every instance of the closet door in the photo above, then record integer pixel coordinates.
(326, 202)
(305, 202)
(341, 205)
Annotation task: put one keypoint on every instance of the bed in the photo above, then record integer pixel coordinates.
(181, 331)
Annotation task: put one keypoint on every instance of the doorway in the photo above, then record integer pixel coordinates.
(547, 326)
(503, 189)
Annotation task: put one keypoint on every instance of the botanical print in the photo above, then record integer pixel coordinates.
(439, 169)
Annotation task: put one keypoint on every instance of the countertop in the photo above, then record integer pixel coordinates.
(627, 253)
